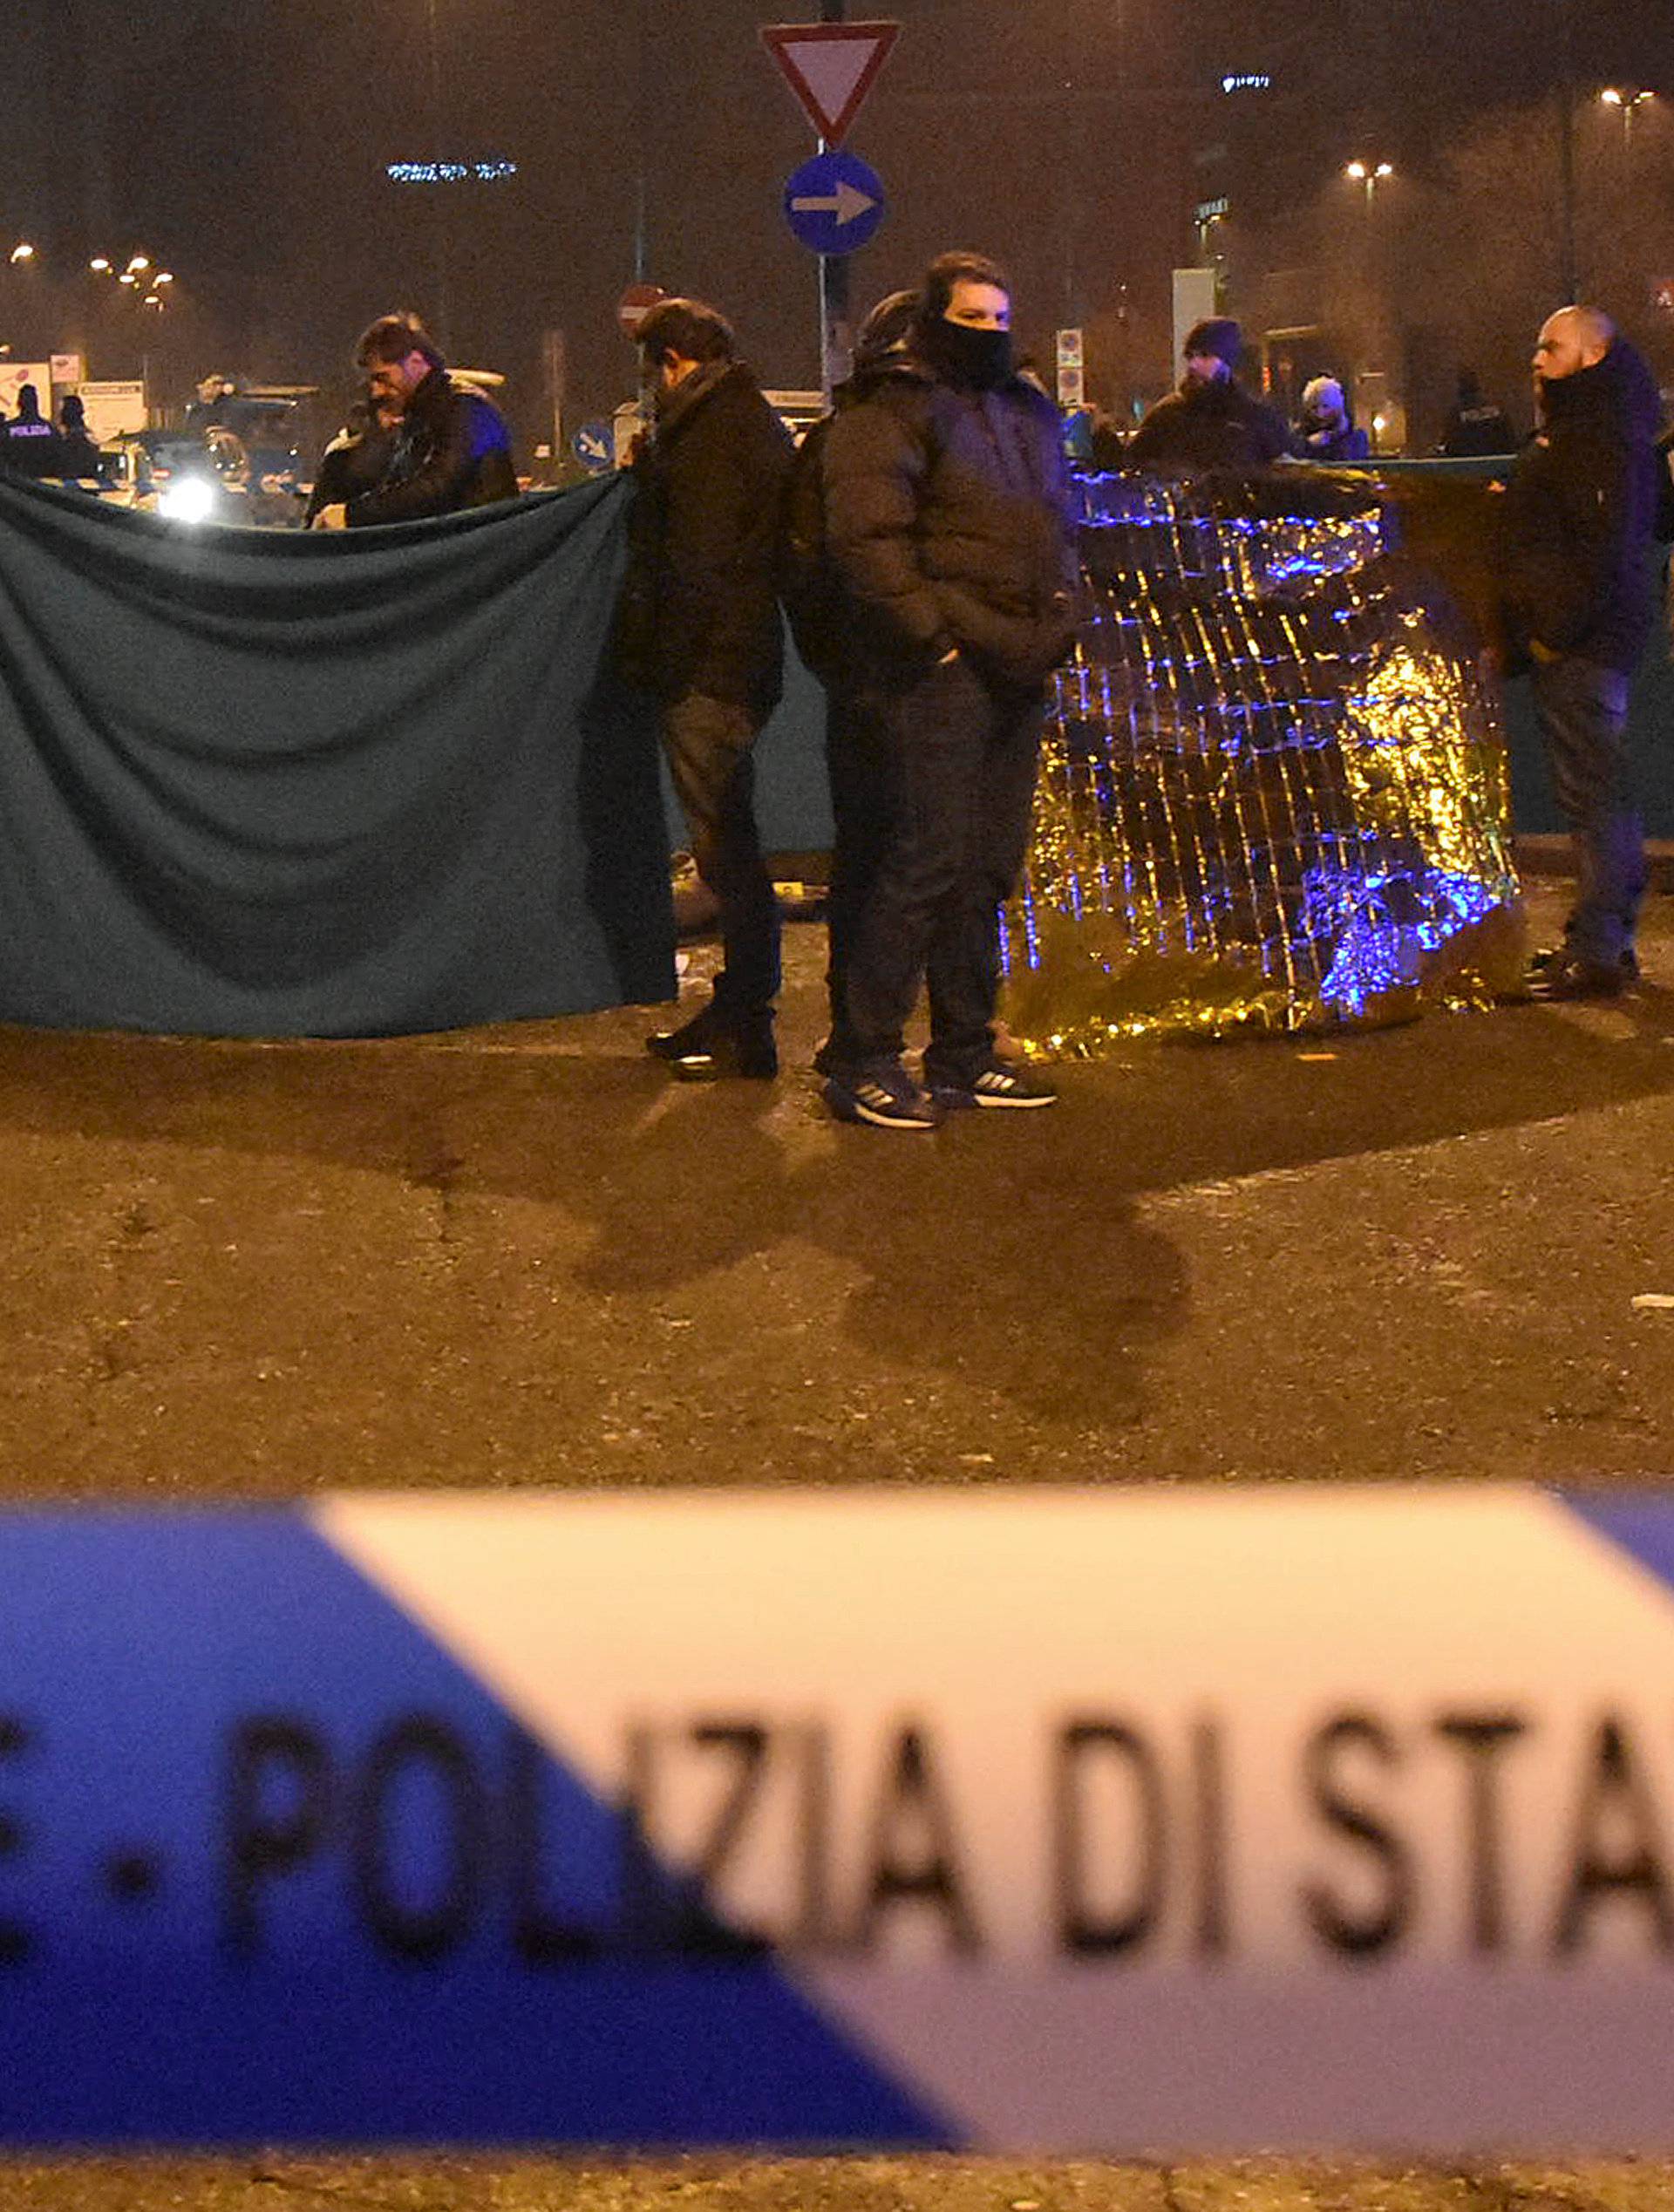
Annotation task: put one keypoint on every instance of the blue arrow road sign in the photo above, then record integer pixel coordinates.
(594, 446)
(835, 202)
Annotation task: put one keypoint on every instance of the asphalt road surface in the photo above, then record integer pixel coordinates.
(522, 1256)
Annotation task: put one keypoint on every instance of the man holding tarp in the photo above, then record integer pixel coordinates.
(452, 449)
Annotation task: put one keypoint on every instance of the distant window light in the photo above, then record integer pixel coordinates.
(450, 172)
(1248, 81)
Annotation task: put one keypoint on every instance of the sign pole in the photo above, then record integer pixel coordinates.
(836, 329)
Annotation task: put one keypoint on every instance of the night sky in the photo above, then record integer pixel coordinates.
(246, 141)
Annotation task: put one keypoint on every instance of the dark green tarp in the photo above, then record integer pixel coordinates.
(267, 783)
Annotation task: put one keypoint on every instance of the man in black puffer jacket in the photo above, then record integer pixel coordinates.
(949, 524)
(451, 450)
(1574, 570)
(1211, 422)
(698, 626)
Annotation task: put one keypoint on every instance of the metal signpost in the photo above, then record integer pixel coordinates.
(835, 203)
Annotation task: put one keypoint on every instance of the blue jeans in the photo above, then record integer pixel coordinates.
(1582, 711)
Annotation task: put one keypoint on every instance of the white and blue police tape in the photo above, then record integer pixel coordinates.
(1322, 1820)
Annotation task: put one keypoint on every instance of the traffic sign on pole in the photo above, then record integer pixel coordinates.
(831, 67)
(594, 446)
(833, 203)
(636, 304)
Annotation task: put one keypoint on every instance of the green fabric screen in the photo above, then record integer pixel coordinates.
(272, 784)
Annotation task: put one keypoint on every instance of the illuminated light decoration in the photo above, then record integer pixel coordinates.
(1273, 792)
(128, 277)
(99, 265)
(1248, 81)
(450, 172)
(165, 277)
(23, 252)
(139, 264)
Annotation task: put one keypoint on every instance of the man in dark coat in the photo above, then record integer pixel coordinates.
(452, 449)
(949, 521)
(1211, 422)
(1476, 429)
(1575, 572)
(29, 443)
(698, 627)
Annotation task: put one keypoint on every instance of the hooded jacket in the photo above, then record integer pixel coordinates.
(949, 522)
(452, 450)
(1576, 527)
(1209, 427)
(699, 606)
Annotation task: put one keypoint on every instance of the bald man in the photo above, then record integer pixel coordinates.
(1577, 601)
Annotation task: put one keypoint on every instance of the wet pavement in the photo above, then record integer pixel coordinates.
(522, 1256)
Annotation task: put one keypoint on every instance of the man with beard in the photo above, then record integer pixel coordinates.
(451, 449)
(1577, 601)
(698, 628)
(949, 535)
(1211, 422)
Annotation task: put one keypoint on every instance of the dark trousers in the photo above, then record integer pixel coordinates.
(856, 765)
(708, 742)
(1582, 710)
(947, 773)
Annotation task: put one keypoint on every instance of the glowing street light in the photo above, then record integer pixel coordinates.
(139, 264)
(165, 277)
(1369, 175)
(128, 277)
(1625, 102)
(22, 252)
(100, 265)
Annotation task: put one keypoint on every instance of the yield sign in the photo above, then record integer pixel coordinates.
(830, 67)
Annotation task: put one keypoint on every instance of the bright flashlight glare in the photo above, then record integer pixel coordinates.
(190, 499)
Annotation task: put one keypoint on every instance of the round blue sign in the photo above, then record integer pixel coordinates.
(594, 446)
(835, 202)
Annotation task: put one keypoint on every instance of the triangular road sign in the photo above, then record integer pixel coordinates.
(830, 67)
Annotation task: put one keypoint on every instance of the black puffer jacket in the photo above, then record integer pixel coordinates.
(452, 450)
(1576, 527)
(1208, 427)
(699, 606)
(821, 621)
(949, 522)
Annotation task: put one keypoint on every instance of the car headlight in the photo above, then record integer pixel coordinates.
(188, 498)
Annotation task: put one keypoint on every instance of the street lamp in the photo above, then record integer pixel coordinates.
(1625, 102)
(22, 252)
(1369, 175)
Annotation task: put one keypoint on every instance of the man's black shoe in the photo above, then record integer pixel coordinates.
(883, 1096)
(996, 1086)
(713, 1044)
(1557, 976)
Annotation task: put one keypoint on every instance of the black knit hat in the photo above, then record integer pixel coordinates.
(1219, 335)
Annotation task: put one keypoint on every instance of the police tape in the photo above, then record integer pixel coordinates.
(1066, 1822)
